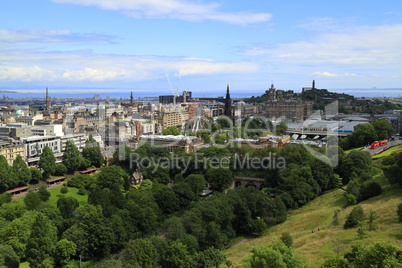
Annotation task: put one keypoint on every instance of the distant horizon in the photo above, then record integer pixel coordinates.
(90, 92)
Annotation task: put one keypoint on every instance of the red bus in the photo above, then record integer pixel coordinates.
(375, 144)
(384, 142)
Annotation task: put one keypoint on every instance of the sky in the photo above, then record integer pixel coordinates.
(201, 45)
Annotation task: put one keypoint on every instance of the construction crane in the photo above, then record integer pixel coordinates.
(175, 93)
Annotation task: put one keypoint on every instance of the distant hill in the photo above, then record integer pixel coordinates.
(348, 104)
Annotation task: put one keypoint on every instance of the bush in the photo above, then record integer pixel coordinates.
(287, 239)
(64, 190)
(399, 211)
(82, 181)
(370, 190)
(351, 199)
(5, 198)
(355, 216)
(82, 191)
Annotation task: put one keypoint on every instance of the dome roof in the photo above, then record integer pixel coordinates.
(19, 112)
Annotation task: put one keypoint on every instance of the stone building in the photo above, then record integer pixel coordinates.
(289, 109)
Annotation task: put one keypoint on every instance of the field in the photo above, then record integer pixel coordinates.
(82, 199)
(317, 216)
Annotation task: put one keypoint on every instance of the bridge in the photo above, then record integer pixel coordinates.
(240, 181)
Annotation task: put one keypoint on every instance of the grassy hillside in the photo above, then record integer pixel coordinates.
(388, 152)
(318, 214)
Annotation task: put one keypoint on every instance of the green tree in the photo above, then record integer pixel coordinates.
(36, 175)
(354, 217)
(379, 255)
(280, 129)
(166, 199)
(287, 239)
(67, 206)
(109, 176)
(393, 168)
(8, 257)
(171, 131)
(371, 225)
(71, 157)
(211, 257)
(47, 162)
(92, 232)
(274, 255)
(21, 170)
(140, 253)
(44, 193)
(17, 232)
(196, 182)
(370, 189)
(383, 128)
(60, 169)
(92, 152)
(8, 179)
(5, 198)
(358, 162)
(64, 190)
(184, 193)
(42, 241)
(335, 261)
(399, 212)
(219, 178)
(177, 255)
(362, 230)
(32, 200)
(63, 252)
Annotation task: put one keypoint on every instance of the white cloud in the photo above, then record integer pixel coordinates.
(354, 46)
(59, 37)
(175, 9)
(34, 65)
(328, 74)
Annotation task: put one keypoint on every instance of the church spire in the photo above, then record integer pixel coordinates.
(228, 103)
(313, 87)
(131, 98)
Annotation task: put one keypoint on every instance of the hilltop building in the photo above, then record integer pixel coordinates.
(279, 107)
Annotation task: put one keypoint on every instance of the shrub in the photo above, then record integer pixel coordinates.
(355, 216)
(64, 190)
(370, 190)
(351, 199)
(399, 211)
(82, 191)
(82, 181)
(287, 239)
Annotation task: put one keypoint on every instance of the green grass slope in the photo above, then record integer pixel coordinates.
(318, 214)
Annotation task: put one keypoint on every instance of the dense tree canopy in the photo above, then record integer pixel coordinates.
(92, 152)
(47, 162)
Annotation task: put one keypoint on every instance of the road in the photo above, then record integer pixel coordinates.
(383, 148)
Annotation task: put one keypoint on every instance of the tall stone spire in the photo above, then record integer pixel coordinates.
(313, 87)
(131, 98)
(228, 103)
(47, 101)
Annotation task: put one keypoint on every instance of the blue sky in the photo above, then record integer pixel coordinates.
(132, 45)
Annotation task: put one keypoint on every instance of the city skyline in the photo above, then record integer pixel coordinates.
(133, 45)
